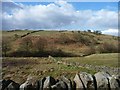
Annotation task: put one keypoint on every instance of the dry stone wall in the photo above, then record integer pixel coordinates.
(81, 81)
(102, 80)
(111, 70)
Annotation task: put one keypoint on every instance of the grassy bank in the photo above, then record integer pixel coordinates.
(19, 68)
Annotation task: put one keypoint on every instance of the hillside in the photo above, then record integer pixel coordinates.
(57, 43)
(68, 50)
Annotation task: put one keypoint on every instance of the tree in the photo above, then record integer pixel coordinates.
(107, 47)
(26, 44)
(97, 32)
(89, 30)
(16, 36)
(40, 44)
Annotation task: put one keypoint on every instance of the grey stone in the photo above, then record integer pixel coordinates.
(67, 81)
(78, 82)
(36, 85)
(51, 58)
(102, 79)
(114, 84)
(59, 62)
(13, 86)
(5, 83)
(87, 80)
(73, 85)
(49, 82)
(81, 81)
(28, 85)
(25, 85)
(41, 83)
(59, 86)
(51, 69)
(116, 77)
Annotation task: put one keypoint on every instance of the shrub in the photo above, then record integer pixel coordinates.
(87, 40)
(26, 44)
(89, 50)
(64, 39)
(108, 48)
(40, 44)
(16, 36)
(78, 31)
(97, 32)
(89, 30)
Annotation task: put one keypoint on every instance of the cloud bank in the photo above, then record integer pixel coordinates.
(114, 32)
(56, 15)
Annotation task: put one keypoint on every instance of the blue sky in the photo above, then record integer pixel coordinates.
(95, 5)
(83, 5)
(101, 16)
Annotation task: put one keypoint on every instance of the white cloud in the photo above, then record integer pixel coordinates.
(40, 16)
(57, 15)
(104, 18)
(111, 32)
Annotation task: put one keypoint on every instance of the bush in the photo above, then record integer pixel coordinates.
(87, 40)
(64, 39)
(108, 48)
(89, 30)
(89, 50)
(40, 44)
(26, 44)
(97, 32)
(16, 36)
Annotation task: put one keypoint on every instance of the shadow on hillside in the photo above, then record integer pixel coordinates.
(56, 53)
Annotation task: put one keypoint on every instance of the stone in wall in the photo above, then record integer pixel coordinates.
(81, 81)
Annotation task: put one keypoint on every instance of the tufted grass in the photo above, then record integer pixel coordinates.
(109, 59)
(19, 68)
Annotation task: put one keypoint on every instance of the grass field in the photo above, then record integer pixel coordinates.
(110, 59)
(12, 33)
(19, 68)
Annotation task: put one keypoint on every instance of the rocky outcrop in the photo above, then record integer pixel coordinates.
(81, 81)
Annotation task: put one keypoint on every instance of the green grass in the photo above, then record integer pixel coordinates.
(110, 59)
(10, 34)
(45, 33)
(19, 68)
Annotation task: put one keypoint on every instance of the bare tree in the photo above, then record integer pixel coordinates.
(40, 44)
(26, 44)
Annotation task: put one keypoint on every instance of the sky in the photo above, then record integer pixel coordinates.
(58, 15)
